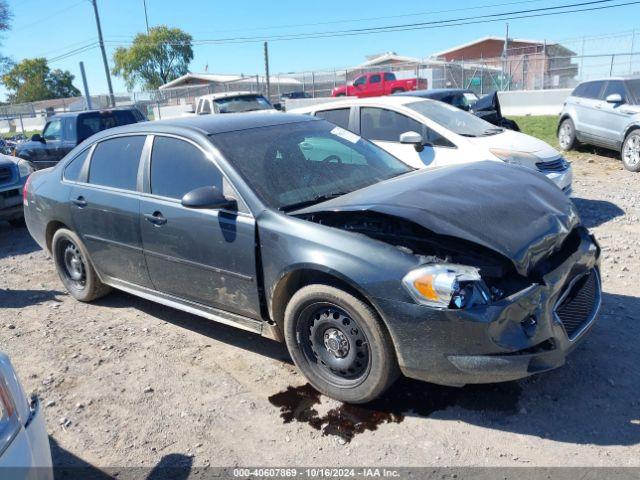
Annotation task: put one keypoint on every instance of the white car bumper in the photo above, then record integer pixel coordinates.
(28, 456)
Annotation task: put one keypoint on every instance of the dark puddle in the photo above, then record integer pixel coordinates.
(406, 398)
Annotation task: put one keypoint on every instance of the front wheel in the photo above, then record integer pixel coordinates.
(567, 135)
(631, 152)
(74, 268)
(339, 344)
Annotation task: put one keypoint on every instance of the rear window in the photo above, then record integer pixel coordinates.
(245, 103)
(114, 162)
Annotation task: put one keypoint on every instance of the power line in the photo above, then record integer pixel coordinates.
(73, 52)
(49, 17)
(513, 15)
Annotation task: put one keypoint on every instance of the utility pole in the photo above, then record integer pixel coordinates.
(146, 19)
(266, 70)
(104, 53)
(86, 87)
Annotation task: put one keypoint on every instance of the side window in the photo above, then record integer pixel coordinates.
(592, 90)
(360, 81)
(69, 126)
(615, 86)
(74, 168)
(386, 125)
(339, 116)
(389, 77)
(374, 79)
(579, 90)
(177, 167)
(114, 162)
(206, 107)
(53, 130)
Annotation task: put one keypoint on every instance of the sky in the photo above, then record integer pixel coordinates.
(51, 29)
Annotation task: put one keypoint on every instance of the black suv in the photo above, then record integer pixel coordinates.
(63, 132)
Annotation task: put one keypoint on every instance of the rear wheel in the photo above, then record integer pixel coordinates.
(631, 151)
(339, 344)
(567, 135)
(74, 268)
(397, 90)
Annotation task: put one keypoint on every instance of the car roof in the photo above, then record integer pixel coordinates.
(209, 124)
(434, 92)
(83, 112)
(216, 96)
(389, 100)
(629, 77)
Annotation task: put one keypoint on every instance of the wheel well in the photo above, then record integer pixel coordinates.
(52, 227)
(294, 281)
(632, 128)
(562, 119)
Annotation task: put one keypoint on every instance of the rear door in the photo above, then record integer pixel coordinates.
(202, 255)
(375, 86)
(105, 209)
(588, 108)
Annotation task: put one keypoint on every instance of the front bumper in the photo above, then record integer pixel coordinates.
(563, 179)
(490, 343)
(28, 457)
(11, 202)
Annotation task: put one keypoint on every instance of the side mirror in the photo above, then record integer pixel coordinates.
(413, 138)
(614, 98)
(208, 197)
(36, 137)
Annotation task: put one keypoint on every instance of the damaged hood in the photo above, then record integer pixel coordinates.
(508, 209)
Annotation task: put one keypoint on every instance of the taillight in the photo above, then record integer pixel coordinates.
(24, 191)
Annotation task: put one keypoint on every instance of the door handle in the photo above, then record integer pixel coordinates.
(156, 218)
(80, 201)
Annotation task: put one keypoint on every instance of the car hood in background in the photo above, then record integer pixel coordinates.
(508, 209)
(518, 142)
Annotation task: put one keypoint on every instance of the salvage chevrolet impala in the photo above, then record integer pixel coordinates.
(296, 229)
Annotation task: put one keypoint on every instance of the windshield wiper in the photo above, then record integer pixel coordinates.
(312, 201)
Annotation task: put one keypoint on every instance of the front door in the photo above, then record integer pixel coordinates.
(204, 256)
(615, 117)
(105, 209)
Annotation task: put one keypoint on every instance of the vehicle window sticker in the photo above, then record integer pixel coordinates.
(345, 134)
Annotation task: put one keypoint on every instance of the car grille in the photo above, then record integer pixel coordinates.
(6, 175)
(557, 165)
(579, 304)
(10, 193)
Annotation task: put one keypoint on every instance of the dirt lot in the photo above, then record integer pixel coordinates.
(125, 382)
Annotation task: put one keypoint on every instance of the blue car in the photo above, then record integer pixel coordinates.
(13, 176)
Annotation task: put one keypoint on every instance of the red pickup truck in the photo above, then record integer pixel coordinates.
(376, 84)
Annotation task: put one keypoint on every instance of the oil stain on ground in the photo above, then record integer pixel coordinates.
(406, 397)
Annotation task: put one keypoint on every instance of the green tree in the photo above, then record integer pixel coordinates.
(5, 19)
(32, 80)
(154, 59)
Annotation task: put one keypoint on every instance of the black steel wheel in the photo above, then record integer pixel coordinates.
(339, 343)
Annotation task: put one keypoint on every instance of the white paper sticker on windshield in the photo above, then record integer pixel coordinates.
(346, 134)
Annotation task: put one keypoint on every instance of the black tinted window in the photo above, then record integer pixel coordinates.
(386, 125)
(73, 170)
(91, 123)
(177, 167)
(615, 86)
(339, 116)
(374, 79)
(389, 77)
(114, 162)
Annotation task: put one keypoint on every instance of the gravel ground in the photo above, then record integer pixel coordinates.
(126, 382)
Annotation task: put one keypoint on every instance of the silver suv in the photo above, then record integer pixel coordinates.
(605, 113)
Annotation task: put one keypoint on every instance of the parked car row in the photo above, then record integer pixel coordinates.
(303, 231)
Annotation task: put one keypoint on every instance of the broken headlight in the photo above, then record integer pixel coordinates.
(446, 286)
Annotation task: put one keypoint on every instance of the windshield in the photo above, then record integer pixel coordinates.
(634, 90)
(297, 164)
(454, 119)
(245, 103)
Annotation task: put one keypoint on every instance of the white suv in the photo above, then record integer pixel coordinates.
(428, 133)
(605, 113)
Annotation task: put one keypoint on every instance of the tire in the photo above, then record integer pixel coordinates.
(341, 95)
(314, 324)
(630, 153)
(17, 222)
(567, 135)
(74, 267)
(397, 90)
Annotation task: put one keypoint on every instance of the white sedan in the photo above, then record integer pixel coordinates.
(427, 133)
(24, 443)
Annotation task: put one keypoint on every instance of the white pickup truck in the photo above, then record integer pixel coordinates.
(231, 102)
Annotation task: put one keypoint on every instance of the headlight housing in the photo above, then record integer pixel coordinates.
(9, 421)
(514, 157)
(446, 285)
(24, 168)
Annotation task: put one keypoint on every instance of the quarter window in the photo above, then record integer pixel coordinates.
(339, 116)
(114, 162)
(177, 167)
(73, 170)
